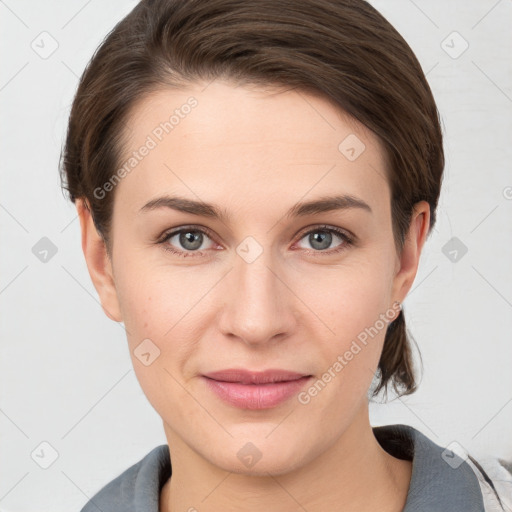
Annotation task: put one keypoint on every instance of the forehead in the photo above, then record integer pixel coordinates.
(219, 140)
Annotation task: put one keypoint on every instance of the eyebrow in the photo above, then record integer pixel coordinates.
(321, 205)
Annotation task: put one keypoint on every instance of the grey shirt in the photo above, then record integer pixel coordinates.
(437, 484)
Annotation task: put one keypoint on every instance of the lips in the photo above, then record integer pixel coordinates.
(243, 376)
(255, 390)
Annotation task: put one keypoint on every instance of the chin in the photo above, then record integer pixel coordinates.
(260, 458)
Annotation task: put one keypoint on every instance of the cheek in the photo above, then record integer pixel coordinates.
(160, 327)
(351, 299)
(162, 305)
(355, 304)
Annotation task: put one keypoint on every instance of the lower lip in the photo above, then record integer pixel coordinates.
(256, 396)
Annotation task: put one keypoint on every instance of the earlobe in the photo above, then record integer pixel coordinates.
(411, 252)
(98, 262)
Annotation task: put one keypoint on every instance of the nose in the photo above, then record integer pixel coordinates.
(259, 306)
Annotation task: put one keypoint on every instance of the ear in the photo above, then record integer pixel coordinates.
(98, 262)
(410, 257)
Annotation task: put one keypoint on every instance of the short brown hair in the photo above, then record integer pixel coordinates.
(343, 50)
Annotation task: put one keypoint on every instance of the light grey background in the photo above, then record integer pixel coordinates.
(66, 375)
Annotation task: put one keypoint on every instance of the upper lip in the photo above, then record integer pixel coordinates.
(251, 377)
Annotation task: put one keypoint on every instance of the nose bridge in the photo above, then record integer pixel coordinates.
(257, 307)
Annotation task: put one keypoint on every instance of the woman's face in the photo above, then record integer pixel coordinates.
(268, 284)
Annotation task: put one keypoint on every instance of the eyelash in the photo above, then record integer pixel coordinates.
(348, 240)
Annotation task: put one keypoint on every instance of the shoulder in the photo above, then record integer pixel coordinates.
(447, 478)
(137, 488)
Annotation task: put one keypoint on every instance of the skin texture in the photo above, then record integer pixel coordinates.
(255, 153)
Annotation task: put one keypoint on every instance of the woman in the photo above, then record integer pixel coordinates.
(255, 183)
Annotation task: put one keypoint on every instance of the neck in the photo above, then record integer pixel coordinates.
(354, 474)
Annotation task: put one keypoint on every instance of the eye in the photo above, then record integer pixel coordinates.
(322, 237)
(191, 239)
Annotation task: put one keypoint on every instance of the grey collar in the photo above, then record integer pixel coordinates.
(435, 484)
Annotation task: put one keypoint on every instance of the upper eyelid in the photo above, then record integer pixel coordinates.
(175, 231)
(325, 227)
